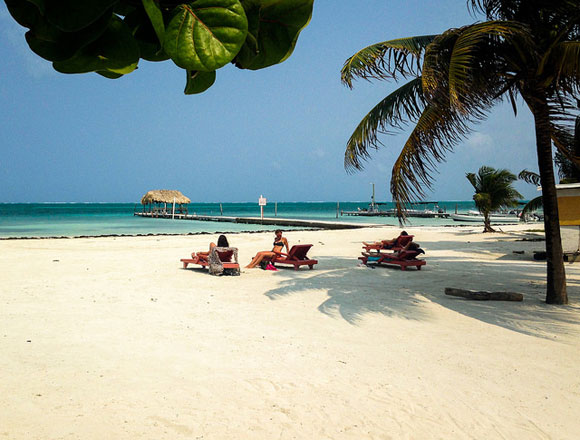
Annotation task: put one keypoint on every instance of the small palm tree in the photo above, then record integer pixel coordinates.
(493, 191)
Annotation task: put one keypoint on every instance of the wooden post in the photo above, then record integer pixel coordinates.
(275, 209)
(221, 210)
(337, 208)
(456, 208)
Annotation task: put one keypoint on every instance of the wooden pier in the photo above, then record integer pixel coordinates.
(266, 221)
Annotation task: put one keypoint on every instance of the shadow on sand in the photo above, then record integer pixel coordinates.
(356, 291)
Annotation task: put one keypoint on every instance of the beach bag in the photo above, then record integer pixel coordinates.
(270, 266)
(264, 264)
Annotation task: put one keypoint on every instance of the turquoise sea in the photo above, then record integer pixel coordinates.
(22, 220)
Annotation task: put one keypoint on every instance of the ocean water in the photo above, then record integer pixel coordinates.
(21, 220)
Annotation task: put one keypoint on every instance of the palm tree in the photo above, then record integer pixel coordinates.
(527, 48)
(493, 191)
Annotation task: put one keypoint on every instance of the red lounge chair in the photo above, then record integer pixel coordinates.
(217, 260)
(402, 259)
(296, 257)
(402, 241)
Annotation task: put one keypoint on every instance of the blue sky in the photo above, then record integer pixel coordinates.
(280, 131)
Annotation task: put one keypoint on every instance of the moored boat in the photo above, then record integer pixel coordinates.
(476, 217)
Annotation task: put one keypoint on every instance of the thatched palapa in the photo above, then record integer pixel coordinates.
(164, 196)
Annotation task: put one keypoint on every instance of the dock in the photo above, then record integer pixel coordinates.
(266, 221)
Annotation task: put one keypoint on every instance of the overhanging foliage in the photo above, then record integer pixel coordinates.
(109, 37)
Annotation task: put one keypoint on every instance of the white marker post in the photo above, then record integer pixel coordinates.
(262, 203)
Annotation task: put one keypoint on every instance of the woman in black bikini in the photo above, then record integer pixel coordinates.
(279, 243)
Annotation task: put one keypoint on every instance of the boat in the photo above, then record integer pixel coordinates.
(477, 217)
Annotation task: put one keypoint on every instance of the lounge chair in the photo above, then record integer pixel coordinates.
(402, 259)
(401, 242)
(296, 257)
(220, 260)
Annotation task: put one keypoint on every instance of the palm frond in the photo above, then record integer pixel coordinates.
(563, 139)
(566, 56)
(386, 60)
(437, 55)
(529, 177)
(436, 132)
(464, 64)
(471, 177)
(531, 206)
(405, 103)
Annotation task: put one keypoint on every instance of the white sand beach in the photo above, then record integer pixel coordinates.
(111, 338)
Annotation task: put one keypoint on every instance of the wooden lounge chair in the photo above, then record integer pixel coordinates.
(402, 259)
(296, 257)
(402, 241)
(218, 260)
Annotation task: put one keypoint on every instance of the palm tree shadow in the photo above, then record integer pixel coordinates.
(356, 291)
(532, 317)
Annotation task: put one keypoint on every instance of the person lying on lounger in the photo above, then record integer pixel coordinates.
(279, 243)
(222, 242)
(388, 244)
(409, 247)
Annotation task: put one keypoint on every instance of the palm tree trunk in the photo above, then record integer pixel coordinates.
(556, 276)
(487, 223)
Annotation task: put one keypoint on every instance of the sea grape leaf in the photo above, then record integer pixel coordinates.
(123, 9)
(143, 32)
(205, 35)
(74, 15)
(273, 29)
(52, 44)
(115, 51)
(40, 4)
(109, 75)
(25, 13)
(49, 50)
(198, 82)
(154, 13)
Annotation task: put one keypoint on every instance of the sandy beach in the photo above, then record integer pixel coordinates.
(111, 338)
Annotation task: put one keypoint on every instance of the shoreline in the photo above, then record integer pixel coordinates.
(186, 234)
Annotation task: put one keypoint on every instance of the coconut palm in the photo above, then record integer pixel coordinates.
(527, 48)
(493, 191)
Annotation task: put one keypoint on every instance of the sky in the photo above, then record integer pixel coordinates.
(280, 131)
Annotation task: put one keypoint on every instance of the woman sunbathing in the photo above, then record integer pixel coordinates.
(222, 242)
(388, 244)
(279, 243)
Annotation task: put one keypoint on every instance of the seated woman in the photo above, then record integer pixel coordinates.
(388, 244)
(222, 242)
(279, 243)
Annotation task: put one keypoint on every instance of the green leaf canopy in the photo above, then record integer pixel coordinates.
(110, 36)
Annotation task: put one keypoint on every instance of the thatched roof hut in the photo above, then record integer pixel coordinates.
(164, 196)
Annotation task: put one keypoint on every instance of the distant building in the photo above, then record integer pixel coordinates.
(569, 210)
